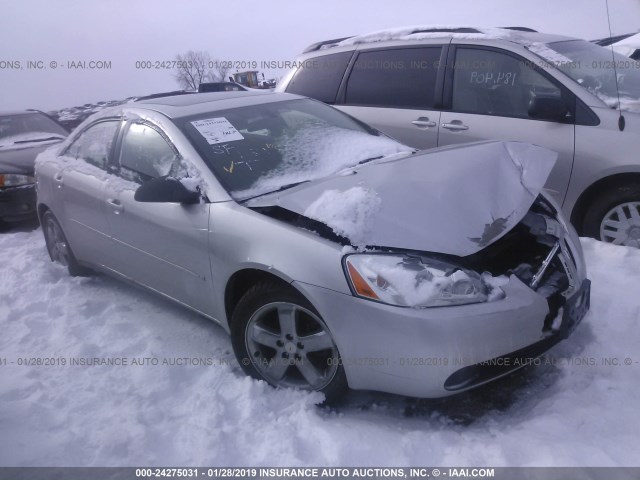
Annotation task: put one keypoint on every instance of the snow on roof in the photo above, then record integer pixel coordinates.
(421, 32)
(627, 46)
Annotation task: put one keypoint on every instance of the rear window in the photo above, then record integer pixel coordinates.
(320, 77)
(403, 78)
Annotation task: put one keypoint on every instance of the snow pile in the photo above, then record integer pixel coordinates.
(349, 213)
(318, 150)
(574, 409)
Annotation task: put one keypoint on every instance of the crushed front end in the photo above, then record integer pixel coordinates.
(544, 252)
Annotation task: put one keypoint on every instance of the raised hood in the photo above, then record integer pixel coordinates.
(454, 200)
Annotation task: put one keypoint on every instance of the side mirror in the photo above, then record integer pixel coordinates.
(547, 108)
(165, 190)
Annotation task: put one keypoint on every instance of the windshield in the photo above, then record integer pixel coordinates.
(592, 67)
(263, 148)
(25, 127)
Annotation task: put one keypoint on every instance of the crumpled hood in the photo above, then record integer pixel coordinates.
(454, 200)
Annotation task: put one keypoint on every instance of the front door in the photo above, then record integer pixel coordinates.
(161, 245)
(490, 95)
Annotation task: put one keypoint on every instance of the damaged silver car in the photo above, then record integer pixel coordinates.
(334, 256)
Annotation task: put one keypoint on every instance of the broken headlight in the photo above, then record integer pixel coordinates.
(411, 281)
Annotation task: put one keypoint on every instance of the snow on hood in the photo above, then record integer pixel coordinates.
(455, 200)
(349, 213)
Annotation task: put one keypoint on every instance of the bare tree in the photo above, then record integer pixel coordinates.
(220, 71)
(194, 68)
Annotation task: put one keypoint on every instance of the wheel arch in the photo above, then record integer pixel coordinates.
(243, 280)
(596, 189)
(41, 209)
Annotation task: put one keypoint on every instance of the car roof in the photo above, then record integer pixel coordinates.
(6, 113)
(520, 35)
(186, 105)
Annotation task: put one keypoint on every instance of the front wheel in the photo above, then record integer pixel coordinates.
(614, 217)
(278, 337)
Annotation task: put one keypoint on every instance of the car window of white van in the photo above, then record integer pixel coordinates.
(396, 78)
(487, 82)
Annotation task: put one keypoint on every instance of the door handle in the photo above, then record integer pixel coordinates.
(423, 122)
(115, 204)
(455, 126)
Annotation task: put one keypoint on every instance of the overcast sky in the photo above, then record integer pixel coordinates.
(124, 32)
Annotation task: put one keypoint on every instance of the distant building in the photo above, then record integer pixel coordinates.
(248, 78)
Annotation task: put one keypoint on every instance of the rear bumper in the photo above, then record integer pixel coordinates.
(18, 203)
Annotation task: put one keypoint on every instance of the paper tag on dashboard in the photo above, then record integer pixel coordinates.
(217, 130)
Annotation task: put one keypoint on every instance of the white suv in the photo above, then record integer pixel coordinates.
(433, 86)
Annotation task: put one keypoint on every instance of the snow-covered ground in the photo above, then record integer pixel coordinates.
(572, 411)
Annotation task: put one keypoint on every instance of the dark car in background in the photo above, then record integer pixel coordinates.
(220, 87)
(23, 135)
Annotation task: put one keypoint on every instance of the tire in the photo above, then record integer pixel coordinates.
(279, 337)
(614, 216)
(58, 247)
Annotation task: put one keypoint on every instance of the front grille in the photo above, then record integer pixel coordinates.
(557, 273)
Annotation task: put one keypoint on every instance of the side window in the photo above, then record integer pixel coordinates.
(403, 78)
(320, 77)
(145, 154)
(94, 144)
(492, 83)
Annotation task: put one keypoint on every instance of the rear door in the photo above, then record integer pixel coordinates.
(81, 182)
(487, 92)
(396, 91)
(160, 245)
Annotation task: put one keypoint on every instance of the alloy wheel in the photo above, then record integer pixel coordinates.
(290, 346)
(621, 225)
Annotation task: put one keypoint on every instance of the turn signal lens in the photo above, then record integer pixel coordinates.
(359, 284)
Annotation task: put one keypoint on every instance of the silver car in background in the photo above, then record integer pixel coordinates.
(436, 86)
(333, 255)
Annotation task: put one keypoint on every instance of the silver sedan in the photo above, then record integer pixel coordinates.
(334, 256)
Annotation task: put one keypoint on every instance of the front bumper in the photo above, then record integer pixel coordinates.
(435, 352)
(414, 351)
(17, 203)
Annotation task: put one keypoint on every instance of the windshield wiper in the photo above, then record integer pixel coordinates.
(367, 160)
(284, 187)
(39, 140)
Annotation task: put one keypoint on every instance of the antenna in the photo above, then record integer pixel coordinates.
(621, 120)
